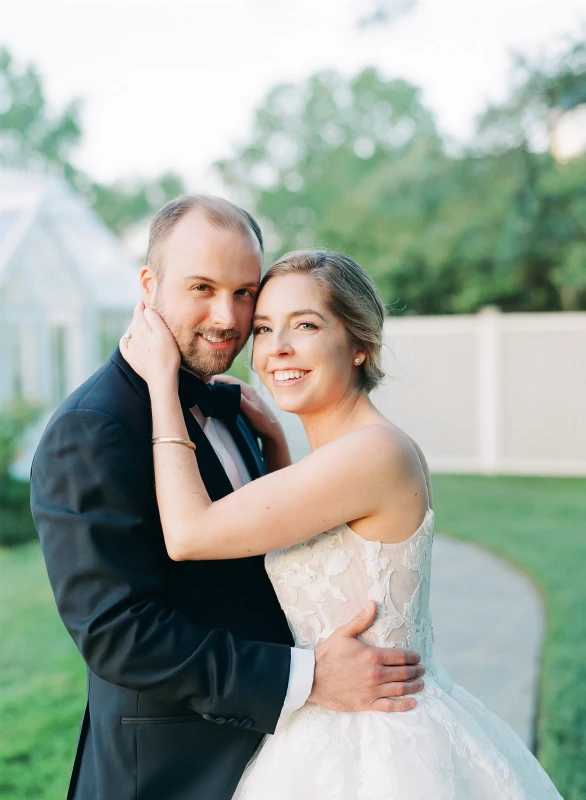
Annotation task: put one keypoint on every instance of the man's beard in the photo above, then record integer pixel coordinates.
(198, 358)
(203, 361)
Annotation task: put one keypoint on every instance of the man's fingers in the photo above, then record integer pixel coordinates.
(393, 705)
(400, 688)
(361, 621)
(393, 657)
(400, 674)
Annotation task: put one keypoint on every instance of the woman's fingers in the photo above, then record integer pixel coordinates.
(157, 325)
(139, 323)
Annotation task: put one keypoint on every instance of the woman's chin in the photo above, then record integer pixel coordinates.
(288, 401)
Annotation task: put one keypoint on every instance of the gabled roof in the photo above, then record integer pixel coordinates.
(27, 200)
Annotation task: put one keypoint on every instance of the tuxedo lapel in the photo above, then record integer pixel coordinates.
(212, 471)
(248, 447)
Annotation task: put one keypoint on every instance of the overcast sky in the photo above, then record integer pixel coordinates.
(173, 85)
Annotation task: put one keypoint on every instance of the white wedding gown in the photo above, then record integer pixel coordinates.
(450, 747)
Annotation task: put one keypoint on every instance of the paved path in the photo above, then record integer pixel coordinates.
(488, 623)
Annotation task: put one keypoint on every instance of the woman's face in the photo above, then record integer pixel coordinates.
(301, 353)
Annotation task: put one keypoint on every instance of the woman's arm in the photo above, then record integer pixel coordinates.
(342, 481)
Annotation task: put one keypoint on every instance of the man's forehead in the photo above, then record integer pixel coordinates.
(197, 226)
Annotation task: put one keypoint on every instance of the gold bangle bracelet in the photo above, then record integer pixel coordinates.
(173, 440)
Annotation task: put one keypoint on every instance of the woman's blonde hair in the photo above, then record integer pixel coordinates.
(350, 295)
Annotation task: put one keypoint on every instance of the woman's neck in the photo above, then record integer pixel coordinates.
(353, 411)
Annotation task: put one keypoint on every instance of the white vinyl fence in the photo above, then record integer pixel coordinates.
(492, 393)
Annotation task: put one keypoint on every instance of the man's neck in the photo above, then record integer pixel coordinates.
(206, 379)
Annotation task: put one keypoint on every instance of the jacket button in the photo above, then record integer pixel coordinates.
(247, 723)
(220, 720)
(209, 717)
(233, 721)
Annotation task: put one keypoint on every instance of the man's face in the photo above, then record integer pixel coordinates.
(206, 291)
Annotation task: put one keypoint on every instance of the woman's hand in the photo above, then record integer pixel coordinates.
(274, 445)
(149, 347)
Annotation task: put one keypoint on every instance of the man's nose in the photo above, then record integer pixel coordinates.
(223, 314)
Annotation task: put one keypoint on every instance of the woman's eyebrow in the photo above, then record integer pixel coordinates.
(299, 313)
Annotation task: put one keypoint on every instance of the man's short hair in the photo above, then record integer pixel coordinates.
(219, 213)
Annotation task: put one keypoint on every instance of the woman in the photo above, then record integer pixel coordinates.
(351, 521)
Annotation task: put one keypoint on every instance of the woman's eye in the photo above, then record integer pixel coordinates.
(202, 287)
(261, 329)
(307, 326)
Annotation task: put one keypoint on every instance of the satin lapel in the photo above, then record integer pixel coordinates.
(248, 447)
(212, 472)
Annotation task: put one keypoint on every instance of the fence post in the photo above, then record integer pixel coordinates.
(489, 378)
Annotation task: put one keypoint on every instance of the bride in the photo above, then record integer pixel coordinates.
(352, 521)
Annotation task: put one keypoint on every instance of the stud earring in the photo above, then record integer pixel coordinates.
(357, 360)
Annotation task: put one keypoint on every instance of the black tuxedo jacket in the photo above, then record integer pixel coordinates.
(188, 662)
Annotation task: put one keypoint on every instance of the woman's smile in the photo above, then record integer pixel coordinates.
(287, 377)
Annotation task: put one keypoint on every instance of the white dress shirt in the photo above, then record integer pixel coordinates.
(302, 661)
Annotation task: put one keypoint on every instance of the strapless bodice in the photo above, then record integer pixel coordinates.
(324, 582)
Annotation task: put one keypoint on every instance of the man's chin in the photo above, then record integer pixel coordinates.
(209, 363)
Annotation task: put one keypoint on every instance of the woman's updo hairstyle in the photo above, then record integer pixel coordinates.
(350, 295)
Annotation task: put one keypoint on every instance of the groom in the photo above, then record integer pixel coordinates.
(189, 663)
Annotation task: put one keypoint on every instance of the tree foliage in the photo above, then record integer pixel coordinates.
(358, 165)
(34, 138)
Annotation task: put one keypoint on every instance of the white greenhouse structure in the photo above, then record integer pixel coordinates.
(67, 289)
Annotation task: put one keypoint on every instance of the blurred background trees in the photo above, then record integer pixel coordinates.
(357, 164)
(34, 138)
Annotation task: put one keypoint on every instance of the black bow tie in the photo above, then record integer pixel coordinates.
(219, 400)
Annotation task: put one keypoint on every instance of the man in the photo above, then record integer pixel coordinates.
(189, 663)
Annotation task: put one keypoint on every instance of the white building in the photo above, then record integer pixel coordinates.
(67, 289)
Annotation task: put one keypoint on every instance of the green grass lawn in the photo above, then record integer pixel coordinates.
(538, 524)
(42, 683)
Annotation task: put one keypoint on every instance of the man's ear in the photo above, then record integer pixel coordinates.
(148, 285)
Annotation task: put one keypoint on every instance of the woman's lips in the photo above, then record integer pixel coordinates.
(289, 381)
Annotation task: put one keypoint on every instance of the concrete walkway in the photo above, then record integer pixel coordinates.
(488, 623)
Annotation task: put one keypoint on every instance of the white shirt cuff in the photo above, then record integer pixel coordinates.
(300, 683)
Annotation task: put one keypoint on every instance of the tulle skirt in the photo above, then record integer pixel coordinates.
(448, 748)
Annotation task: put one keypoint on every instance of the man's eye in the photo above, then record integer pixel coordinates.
(245, 292)
(202, 287)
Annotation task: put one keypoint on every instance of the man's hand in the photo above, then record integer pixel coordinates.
(353, 676)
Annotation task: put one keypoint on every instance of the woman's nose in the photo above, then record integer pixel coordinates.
(281, 346)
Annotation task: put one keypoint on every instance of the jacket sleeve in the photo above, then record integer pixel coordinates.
(91, 502)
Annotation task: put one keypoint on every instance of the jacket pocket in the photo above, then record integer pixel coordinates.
(158, 720)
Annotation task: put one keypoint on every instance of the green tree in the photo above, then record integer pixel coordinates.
(359, 166)
(314, 143)
(30, 135)
(36, 139)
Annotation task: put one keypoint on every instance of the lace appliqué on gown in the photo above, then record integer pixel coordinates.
(449, 748)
